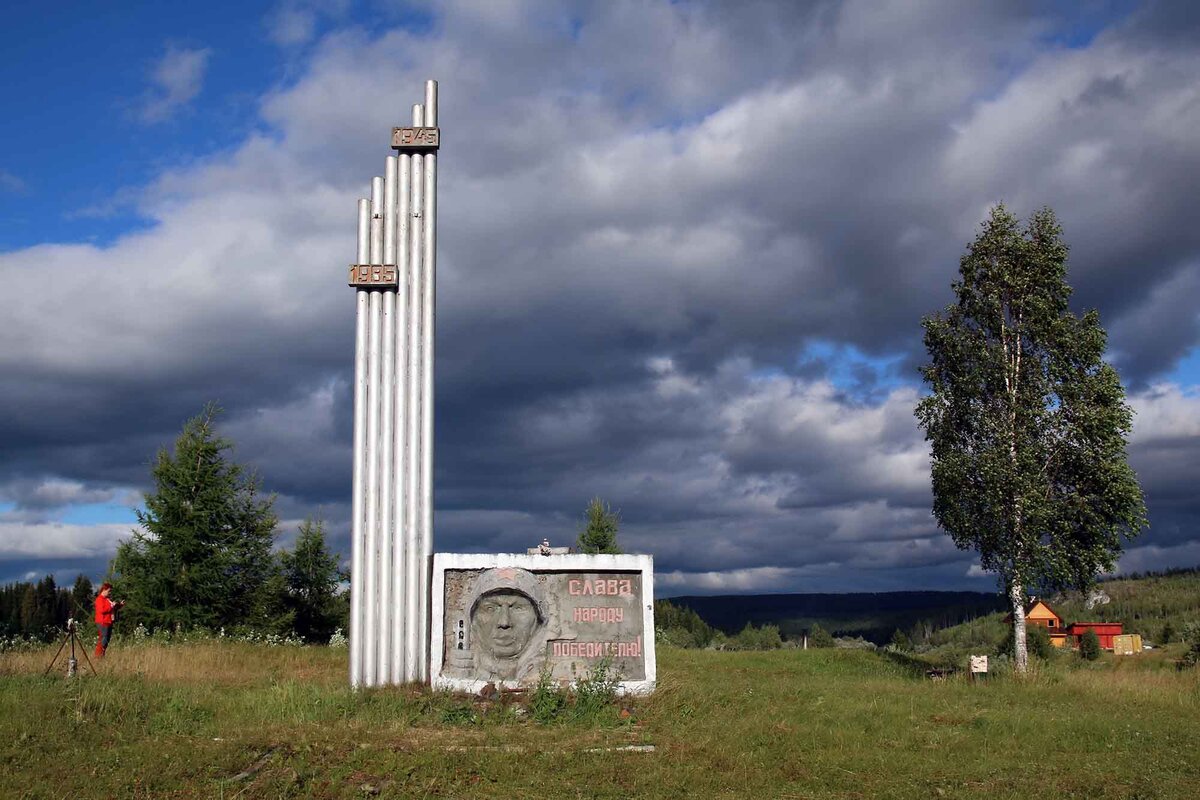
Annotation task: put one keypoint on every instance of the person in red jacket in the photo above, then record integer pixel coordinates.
(105, 608)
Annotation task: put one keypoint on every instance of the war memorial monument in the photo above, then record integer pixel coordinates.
(457, 621)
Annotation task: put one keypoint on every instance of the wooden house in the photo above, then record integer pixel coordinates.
(1038, 612)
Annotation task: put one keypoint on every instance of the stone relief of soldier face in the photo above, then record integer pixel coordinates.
(503, 623)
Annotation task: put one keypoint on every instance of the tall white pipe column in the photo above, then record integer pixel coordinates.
(374, 446)
(387, 382)
(400, 553)
(412, 466)
(392, 508)
(357, 505)
(428, 284)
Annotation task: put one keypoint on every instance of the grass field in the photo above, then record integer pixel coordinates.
(229, 720)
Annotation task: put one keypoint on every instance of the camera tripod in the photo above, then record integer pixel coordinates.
(72, 637)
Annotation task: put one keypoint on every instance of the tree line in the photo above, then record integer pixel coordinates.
(40, 610)
(204, 558)
(683, 627)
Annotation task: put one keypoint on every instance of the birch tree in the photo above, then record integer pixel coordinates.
(1027, 423)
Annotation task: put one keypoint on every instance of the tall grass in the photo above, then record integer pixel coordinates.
(215, 719)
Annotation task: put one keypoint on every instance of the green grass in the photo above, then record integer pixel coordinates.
(225, 720)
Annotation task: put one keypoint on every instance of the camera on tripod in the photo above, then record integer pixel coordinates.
(71, 637)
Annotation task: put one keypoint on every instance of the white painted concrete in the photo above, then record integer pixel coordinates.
(575, 562)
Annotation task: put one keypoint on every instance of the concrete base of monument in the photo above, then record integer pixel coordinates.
(507, 618)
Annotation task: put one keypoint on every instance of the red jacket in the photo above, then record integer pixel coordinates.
(104, 610)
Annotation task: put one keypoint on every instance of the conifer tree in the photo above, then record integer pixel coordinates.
(599, 534)
(29, 617)
(311, 577)
(83, 596)
(46, 613)
(1089, 645)
(203, 557)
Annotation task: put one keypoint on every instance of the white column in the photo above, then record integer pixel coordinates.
(362, 316)
(413, 568)
(392, 507)
(429, 278)
(400, 424)
(387, 391)
(371, 547)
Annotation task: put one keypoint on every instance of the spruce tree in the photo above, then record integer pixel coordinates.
(46, 613)
(28, 616)
(1089, 645)
(1026, 422)
(83, 597)
(203, 557)
(599, 534)
(311, 577)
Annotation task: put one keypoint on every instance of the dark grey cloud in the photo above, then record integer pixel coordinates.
(665, 228)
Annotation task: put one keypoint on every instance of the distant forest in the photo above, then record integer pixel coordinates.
(40, 610)
(873, 616)
(1156, 596)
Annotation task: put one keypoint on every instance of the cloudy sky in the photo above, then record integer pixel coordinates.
(685, 248)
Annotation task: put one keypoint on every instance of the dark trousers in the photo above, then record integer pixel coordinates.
(102, 644)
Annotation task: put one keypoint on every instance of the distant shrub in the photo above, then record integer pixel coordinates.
(819, 637)
(900, 641)
(1037, 642)
(854, 643)
(166, 636)
(1192, 635)
(1037, 639)
(751, 638)
(977, 635)
(681, 637)
(19, 644)
(1089, 646)
(681, 626)
(1168, 634)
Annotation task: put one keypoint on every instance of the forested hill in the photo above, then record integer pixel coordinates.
(873, 616)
